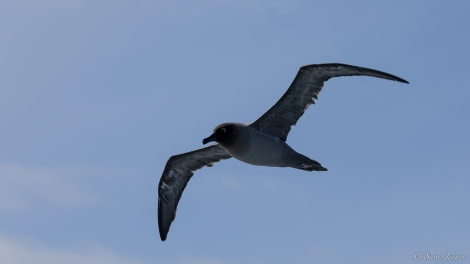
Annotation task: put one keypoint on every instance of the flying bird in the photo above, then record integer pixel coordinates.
(262, 142)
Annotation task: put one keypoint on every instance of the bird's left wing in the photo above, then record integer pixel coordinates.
(178, 171)
(308, 82)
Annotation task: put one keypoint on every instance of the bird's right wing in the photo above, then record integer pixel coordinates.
(178, 171)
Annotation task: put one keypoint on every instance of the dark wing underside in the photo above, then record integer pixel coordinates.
(306, 86)
(178, 171)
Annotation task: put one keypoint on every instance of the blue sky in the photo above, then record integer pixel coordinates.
(96, 95)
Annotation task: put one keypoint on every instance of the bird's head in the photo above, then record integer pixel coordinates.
(223, 134)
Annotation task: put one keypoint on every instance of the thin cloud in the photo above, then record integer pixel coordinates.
(199, 260)
(271, 185)
(22, 187)
(231, 183)
(184, 8)
(257, 5)
(45, 4)
(25, 252)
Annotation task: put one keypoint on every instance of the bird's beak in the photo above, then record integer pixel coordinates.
(212, 137)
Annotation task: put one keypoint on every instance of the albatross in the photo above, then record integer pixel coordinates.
(262, 143)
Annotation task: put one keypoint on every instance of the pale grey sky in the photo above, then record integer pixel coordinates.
(96, 95)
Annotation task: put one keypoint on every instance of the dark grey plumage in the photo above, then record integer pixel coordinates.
(250, 143)
(178, 171)
(308, 82)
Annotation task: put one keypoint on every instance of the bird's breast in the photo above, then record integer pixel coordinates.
(258, 149)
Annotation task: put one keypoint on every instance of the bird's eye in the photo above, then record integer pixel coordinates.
(223, 130)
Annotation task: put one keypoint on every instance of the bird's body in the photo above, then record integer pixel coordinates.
(251, 146)
(259, 143)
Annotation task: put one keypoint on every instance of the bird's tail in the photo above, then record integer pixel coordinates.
(309, 164)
